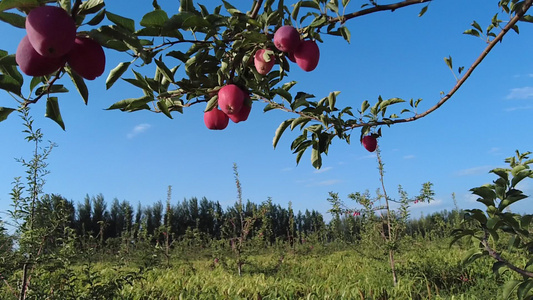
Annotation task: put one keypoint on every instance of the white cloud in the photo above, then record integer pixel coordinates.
(519, 108)
(436, 202)
(328, 182)
(409, 156)
(138, 129)
(368, 156)
(474, 171)
(494, 150)
(521, 93)
(322, 170)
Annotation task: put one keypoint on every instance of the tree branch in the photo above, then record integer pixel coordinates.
(462, 80)
(376, 8)
(256, 8)
(497, 256)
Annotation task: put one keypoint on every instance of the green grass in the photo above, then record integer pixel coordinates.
(426, 271)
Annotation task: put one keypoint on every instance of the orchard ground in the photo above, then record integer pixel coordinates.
(136, 156)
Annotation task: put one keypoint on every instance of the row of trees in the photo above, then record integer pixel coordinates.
(207, 219)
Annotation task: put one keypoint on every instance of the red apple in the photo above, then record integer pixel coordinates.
(243, 114)
(216, 119)
(290, 56)
(87, 58)
(307, 55)
(230, 99)
(261, 65)
(51, 30)
(32, 63)
(370, 143)
(286, 38)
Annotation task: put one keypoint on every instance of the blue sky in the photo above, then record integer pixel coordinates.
(135, 156)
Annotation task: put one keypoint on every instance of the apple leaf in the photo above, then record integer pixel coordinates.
(13, 19)
(509, 287)
(121, 21)
(212, 103)
(156, 18)
(423, 10)
(115, 74)
(280, 131)
(4, 112)
(448, 61)
(165, 71)
(52, 111)
(471, 32)
(80, 85)
(296, 10)
(8, 4)
(132, 104)
(345, 33)
(316, 158)
(91, 7)
(55, 88)
(99, 17)
(10, 84)
(163, 106)
(311, 4)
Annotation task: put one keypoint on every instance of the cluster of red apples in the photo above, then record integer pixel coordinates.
(234, 103)
(305, 53)
(51, 41)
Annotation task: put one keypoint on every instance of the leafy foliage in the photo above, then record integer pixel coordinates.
(498, 231)
(202, 48)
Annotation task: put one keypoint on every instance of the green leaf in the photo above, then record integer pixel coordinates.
(132, 104)
(345, 32)
(15, 20)
(35, 81)
(527, 18)
(524, 288)
(423, 11)
(280, 131)
(8, 4)
(156, 18)
(316, 158)
(310, 4)
(520, 176)
(471, 256)
(472, 32)
(167, 73)
(212, 103)
(186, 5)
(283, 94)
(319, 21)
(115, 74)
(91, 7)
(364, 106)
(99, 17)
(123, 22)
(476, 26)
(80, 85)
(10, 84)
(448, 61)
(163, 106)
(509, 287)
(4, 112)
(52, 111)
(486, 193)
(296, 10)
(332, 98)
(497, 266)
(230, 8)
(56, 88)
